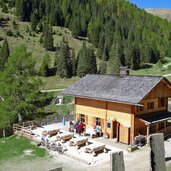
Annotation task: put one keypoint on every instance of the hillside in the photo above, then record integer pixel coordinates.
(81, 37)
(116, 28)
(163, 13)
(22, 34)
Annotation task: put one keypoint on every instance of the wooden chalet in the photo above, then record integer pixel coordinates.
(124, 106)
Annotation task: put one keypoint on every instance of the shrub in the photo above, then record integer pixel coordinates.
(1, 38)
(9, 33)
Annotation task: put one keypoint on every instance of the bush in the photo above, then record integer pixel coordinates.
(9, 33)
(1, 38)
(14, 24)
(19, 35)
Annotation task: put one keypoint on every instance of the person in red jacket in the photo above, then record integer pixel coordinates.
(80, 127)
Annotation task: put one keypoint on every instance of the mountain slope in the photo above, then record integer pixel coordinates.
(163, 13)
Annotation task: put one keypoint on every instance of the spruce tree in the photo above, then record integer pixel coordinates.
(34, 21)
(44, 68)
(64, 63)
(92, 61)
(74, 63)
(48, 38)
(102, 67)
(19, 91)
(100, 48)
(4, 54)
(83, 61)
(105, 54)
(4, 8)
(114, 60)
(135, 61)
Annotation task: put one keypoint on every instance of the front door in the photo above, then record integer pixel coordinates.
(115, 129)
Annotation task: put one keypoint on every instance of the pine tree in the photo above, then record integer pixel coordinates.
(76, 29)
(135, 61)
(100, 48)
(114, 60)
(4, 54)
(105, 54)
(102, 67)
(4, 8)
(64, 64)
(19, 91)
(128, 53)
(74, 63)
(44, 68)
(34, 21)
(92, 62)
(48, 38)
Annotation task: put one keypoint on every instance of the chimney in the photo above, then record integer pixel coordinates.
(124, 71)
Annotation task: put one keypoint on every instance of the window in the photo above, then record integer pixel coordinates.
(161, 126)
(139, 108)
(82, 117)
(108, 123)
(161, 102)
(98, 122)
(150, 105)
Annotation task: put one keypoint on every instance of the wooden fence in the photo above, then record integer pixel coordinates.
(31, 124)
(25, 128)
(7, 131)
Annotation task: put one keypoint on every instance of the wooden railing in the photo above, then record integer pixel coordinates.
(25, 128)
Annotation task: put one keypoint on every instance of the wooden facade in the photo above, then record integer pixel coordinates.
(121, 120)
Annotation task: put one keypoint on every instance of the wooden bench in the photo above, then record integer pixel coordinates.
(64, 136)
(53, 132)
(95, 148)
(79, 141)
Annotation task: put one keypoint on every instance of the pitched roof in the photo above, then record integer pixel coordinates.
(128, 89)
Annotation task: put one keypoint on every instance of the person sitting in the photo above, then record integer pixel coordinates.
(98, 131)
(71, 126)
(76, 125)
(80, 127)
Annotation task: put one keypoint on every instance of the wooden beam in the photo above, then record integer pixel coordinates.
(132, 131)
(105, 120)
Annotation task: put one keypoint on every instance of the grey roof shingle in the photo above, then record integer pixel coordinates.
(128, 89)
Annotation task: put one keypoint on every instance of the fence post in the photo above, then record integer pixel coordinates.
(117, 161)
(157, 153)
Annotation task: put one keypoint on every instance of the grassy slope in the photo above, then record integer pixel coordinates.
(37, 49)
(15, 146)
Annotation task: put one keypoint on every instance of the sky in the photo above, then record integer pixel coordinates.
(152, 3)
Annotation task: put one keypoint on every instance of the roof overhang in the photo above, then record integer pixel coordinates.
(155, 117)
(95, 98)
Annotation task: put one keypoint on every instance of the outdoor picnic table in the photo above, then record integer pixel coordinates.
(50, 132)
(64, 136)
(53, 132)
(94, 148)
(78, 141)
